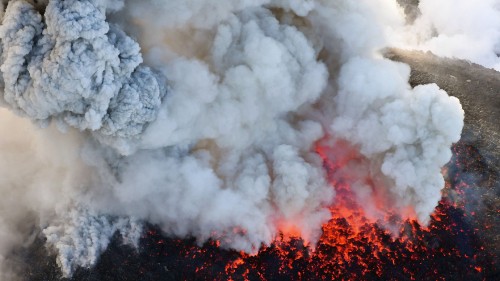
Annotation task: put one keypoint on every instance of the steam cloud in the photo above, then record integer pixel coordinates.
(462, 29)
(213, 135)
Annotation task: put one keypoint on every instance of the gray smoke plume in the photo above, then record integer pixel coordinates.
(214, 136)
(78, 70)
(80, 236)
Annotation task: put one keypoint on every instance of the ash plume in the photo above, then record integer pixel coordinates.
(76, 70)
(213, 135)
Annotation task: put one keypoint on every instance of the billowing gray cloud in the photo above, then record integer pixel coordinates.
(72, 66)
(216, 137)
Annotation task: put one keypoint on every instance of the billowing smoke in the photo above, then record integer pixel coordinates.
(464, 29)
(76, 69)
(213, 134)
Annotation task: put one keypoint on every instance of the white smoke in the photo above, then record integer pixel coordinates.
(405, 133)
(218, 141)
(465, 29)
(408, 130)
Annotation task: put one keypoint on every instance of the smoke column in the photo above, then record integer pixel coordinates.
(202, 116)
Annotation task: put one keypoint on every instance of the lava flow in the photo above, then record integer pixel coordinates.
(454, 246)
